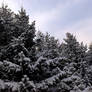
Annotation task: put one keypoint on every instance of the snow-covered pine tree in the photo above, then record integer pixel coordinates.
(89, 62)
(21, 22)
(6, 13)
(41, 63)
(6, 21)
(72, 50)
(47, 45)
(89, 55)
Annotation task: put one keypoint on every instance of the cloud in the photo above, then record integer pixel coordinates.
(72, 16)
(44, 19)
(59, 16)
(82, 29)
(12, 4)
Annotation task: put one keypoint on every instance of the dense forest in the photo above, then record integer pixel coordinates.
(31, 61)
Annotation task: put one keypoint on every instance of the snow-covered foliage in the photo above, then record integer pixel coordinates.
(31, 62)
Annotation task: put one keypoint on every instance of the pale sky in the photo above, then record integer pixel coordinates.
(59, 16)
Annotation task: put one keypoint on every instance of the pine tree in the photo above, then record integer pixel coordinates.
(29, 36)
(47, 45)
(89, 63)
(89, 55)
(6, 13)
(38, 63)
(6, 21)
(72, 50)
(21, 22)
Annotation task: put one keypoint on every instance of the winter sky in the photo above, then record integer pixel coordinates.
(59, 16)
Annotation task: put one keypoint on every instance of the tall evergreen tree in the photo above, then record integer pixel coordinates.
(29, 64)
(21, 22)
(6, 13)
(72, 50)
(6, 21)
(47, 45)
(89, 55)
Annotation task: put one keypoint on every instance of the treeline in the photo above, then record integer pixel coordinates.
(37, 62)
